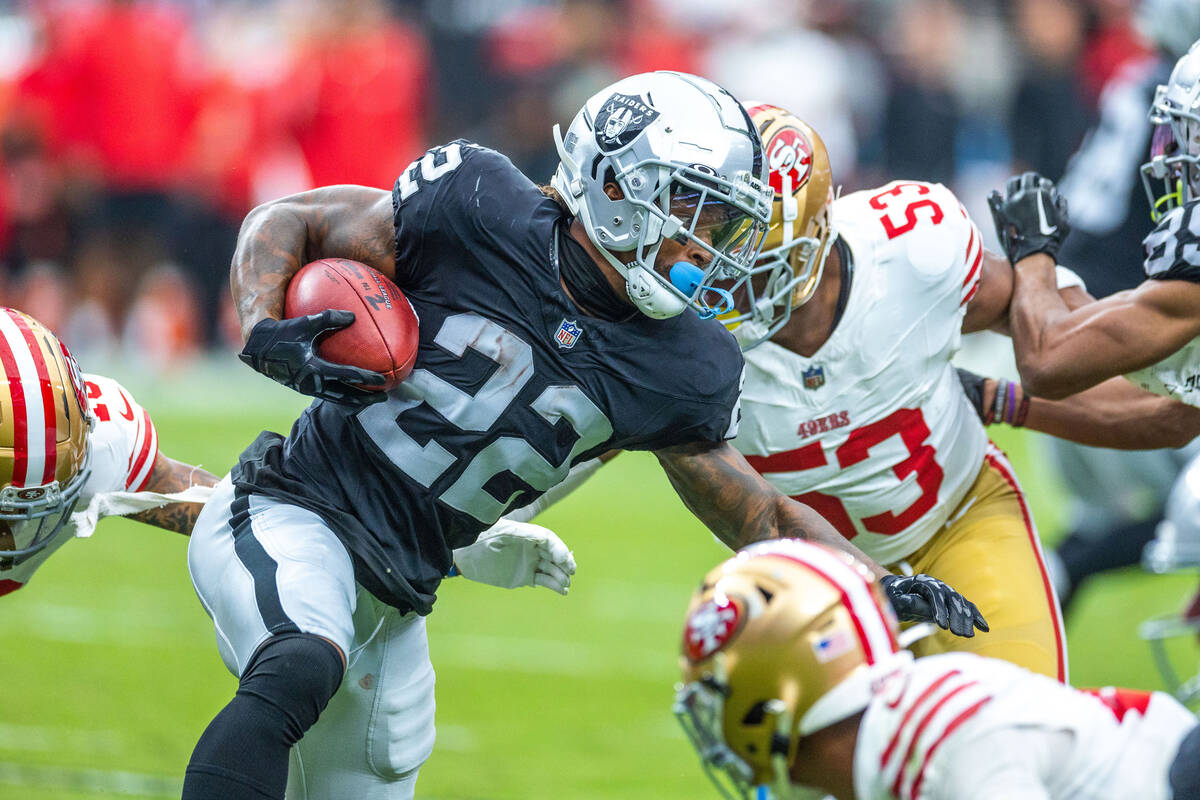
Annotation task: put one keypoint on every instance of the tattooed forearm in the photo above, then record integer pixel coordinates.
(738, 506)
(167, 476)
(177, 517)
(279, 237)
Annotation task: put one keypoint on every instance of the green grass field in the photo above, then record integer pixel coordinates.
(110, 671)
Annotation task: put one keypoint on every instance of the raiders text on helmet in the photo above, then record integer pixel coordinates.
(687, 165)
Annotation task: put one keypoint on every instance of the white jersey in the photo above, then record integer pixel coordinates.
(123, 446)
(874, 431)
(1173, 253)
(958, 725)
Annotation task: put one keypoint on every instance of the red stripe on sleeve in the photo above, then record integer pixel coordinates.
(930, 689)
(146, 428)
(153, 450)
(20, 424)
(915, 791)
(974, 267)
(970, 294)
(49, 416)
(921, 726)
(8, 587)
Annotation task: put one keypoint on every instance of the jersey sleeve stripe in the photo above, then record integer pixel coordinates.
(929, 690)
(970, 711)
(970, 294)
(49, 415)
(16, 390)
(140, 472)
(997, 460)
(921, 726)
(978, 260)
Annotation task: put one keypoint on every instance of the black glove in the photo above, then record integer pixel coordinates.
(1030, 218)
(921, 598)
(972, 386)
(285, 350)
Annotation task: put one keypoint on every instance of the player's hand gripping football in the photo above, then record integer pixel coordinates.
(285, 350)
(1031, 217)
(511, 554)
(922, 598)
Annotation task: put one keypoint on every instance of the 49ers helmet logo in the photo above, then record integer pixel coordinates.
(710, 627)
(789, 153)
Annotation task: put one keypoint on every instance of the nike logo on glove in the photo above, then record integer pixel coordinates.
(1045, 229)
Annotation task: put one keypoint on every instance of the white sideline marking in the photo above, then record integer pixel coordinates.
(51, 739)
(97, 781)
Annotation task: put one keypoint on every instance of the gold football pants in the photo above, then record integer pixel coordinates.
(989, 551)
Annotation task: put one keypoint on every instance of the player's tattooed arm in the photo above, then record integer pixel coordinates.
(738, 506)
(1061, 350)
(279, 237)
(167, 476)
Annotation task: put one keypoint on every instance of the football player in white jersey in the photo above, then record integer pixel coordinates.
(792, 677)
(74, 448)
(851, 405)
(1151, 333)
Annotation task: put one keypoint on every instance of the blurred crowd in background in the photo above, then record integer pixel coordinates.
(135, 135)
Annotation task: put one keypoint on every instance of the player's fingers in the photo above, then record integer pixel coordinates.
(1030, 181)
(554, 572)
(961, 618)
(1012, 186)
(995, 202)
(555, 551)
(550, 583)
(347, 373)
(332, 319)
(977, 618)
(941, 614)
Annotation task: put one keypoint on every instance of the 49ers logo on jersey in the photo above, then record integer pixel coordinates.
(710, 627)
(789, 153)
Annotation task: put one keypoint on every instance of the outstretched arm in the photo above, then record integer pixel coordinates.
(738, 506)
(1114, 414)
(1061, 352)
(168, 476)
(279, 237)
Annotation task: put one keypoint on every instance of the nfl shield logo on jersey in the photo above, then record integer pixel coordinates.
(814, 377)
(567, 334)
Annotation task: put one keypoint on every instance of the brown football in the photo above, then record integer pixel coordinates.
(383, 336)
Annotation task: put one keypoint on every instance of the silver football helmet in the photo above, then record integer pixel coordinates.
(666, 155)
(1175, 547)
(1171, 177)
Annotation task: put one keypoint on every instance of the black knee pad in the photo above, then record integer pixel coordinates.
(1185, 769)
(296, 674)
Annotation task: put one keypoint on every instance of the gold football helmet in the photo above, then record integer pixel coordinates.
(44, 424)
(801, 229)
(781, 640)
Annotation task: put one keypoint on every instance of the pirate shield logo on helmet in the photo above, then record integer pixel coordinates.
(621, 119)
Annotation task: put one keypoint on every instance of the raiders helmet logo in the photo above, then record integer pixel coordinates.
(621, 119)
(789, 153)
(710, 627)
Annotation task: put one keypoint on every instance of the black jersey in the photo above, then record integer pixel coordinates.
(1173, 247)
(512, 385)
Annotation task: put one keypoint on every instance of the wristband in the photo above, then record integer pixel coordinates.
(1065, 278)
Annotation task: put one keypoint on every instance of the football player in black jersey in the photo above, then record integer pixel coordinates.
(555, 324)
(1148, 333)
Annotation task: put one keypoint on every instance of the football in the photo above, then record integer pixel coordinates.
(383, 336)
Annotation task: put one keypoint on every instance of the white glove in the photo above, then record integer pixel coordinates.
(511, 554)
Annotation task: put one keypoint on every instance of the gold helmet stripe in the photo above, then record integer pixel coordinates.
(869, 618)
(34, 440)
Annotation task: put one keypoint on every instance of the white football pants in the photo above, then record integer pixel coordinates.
(262, 567)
